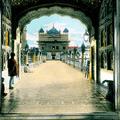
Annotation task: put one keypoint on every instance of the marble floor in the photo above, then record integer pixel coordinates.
(54, 88)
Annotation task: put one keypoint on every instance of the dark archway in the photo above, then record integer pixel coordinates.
(28, 10)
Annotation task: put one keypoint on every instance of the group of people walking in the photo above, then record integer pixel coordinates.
(12, 71)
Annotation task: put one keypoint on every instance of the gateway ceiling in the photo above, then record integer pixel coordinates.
(23, 11)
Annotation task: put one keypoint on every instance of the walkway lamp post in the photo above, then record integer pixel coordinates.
(83, 51)
(74, 53)
(26, 53)
(86, 36)
(69, 56)
(33, 55)
(65, 56)
(22, 56)
(86, 39)
(85, 57)
(37, 54)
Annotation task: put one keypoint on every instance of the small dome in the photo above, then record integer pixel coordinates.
(53, 31)
(65, 30)
(41, 30)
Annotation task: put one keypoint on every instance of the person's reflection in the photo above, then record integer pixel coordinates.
(3, 88)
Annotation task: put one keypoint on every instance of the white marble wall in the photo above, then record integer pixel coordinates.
(117, 55)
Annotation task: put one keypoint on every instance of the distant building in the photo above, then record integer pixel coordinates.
(53, 43)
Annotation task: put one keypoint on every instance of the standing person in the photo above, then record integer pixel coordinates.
(12, 70)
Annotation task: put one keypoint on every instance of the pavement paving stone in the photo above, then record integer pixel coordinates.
(54, 88)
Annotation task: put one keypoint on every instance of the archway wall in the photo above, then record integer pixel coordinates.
(117, 54)
(58, 10)
(106, 41)
(85, 11)
(6, 38)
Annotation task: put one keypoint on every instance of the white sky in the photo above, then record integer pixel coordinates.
(76, 28)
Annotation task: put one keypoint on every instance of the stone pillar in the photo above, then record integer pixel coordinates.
(117, 54)
(0, 52)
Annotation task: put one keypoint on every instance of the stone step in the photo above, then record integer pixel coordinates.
(79, 116)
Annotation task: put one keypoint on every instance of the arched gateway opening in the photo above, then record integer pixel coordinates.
(89, 19)
(58, 10)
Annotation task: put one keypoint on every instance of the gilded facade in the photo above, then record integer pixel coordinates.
(53, 43)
